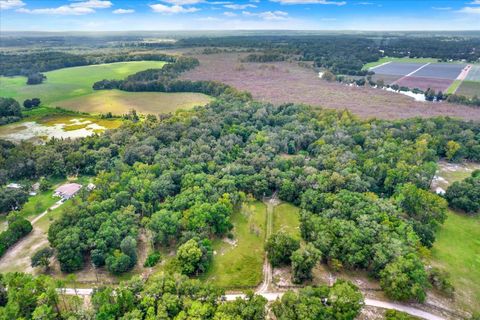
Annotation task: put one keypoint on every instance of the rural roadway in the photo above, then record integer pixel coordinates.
(264, 289)
(272, 296)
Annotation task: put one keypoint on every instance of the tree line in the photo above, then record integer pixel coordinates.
(33, 63)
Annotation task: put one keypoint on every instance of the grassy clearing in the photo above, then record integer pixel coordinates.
(239, 264)
(392, 59)
(120, 102)
(68, 83)
(286, 218)
(457, 250)
(454, 86)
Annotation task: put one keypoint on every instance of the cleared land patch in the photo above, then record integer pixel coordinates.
(282, 82)
(469, 88)
(286, 218)
(425, 83)
(237, 263)
(120, 102)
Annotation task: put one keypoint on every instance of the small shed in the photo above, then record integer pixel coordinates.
(67, 190)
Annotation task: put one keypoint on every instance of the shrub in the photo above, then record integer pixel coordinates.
(153, 259)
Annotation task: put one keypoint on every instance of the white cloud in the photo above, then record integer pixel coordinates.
(475, 2)
(268, 15)
(337, 3)
(239, 6)
(62, 10)
(11, 4)
(230, 14)
(470, 10)
(123, 11)
(183, 2)
(75, 8)
(96, 4)
(160, 8)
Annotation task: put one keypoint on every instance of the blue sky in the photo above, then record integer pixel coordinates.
(113, 15)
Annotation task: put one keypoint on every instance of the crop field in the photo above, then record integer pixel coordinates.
(469, 88)
(238, 262)
(474, 74)
(437, 76)
(282, 82)
(397, 68)
(384, 60)
(120, 102)
(425, 83)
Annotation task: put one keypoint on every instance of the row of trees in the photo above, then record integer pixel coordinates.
(167, 296)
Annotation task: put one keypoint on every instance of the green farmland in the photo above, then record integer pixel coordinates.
(71, 88)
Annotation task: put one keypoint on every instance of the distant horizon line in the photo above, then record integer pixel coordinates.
(234, 30)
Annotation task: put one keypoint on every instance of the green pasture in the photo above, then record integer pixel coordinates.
(73, 82)
(457, 250)
(239, 263)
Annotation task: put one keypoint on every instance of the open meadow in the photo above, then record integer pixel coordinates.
(71, 88)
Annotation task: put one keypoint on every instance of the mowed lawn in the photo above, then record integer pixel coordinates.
(457, 250)
(72, 88)
(286, 218)
(239, 264)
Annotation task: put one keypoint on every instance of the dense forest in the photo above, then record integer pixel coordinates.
(347, 54)
(183, 176)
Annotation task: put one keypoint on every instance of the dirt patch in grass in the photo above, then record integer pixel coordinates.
(289, 82)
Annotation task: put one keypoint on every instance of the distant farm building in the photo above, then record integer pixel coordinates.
(68, 190)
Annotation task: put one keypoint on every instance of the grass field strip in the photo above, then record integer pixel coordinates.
(380, 65)
(411, 73)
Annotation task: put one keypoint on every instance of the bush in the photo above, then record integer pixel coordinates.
(153, 259)
(440, 280)
(118, 263)
(398, 315)
(404, 279)
(17, 229)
